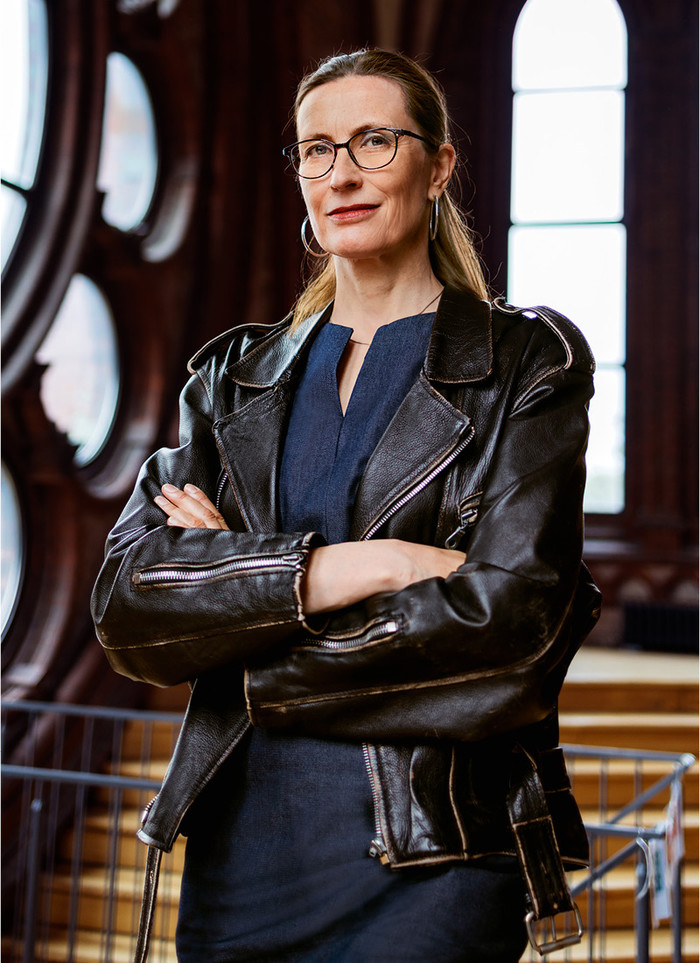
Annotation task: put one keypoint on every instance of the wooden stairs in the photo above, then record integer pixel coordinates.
(616, 699)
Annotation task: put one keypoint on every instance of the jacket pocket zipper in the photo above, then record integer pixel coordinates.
(468, 511)
(374, 632)
(377, 848)
(423, 483)
(192, 574)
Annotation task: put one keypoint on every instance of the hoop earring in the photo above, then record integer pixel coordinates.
(434, 218)
(306, 244)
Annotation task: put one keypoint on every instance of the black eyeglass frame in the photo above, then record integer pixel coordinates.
(396, 131)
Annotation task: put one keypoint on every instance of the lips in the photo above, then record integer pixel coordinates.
(352, 210)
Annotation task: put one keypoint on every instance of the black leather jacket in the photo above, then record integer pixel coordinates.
(448, 683)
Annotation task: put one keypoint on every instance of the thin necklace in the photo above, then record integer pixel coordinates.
(367, 343)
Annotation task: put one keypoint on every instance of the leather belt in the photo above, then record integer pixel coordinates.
(547, 890)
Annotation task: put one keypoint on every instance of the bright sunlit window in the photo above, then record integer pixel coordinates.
(567, 242)
(128, 159)
(11, 548)
(23, 76)
(80, 386)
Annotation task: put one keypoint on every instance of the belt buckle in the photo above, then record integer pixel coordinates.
(556, 942)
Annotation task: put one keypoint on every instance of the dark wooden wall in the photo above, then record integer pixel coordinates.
(220, 245)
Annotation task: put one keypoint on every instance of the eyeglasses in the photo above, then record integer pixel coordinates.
(369, 149)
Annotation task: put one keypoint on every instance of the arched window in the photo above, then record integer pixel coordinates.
(128, 158)
(80, 385)
(567, 241)
(24, 71)
(11, 549)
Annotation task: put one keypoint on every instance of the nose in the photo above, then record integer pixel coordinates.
(345, 171)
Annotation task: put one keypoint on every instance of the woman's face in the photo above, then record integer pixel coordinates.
(360, 214)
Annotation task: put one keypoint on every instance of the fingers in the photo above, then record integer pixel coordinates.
(189, 508)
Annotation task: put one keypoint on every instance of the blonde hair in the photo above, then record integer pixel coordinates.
(452, 254)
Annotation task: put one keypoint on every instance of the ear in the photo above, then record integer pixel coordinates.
(443, 165)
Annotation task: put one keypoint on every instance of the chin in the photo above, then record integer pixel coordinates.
(360, 249)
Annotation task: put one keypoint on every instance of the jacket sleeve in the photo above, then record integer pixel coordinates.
(172, 603)
(485, 650)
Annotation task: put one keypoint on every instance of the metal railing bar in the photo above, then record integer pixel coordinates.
(686, 759)
(112, 865)
(76, 862)
(643, 832)
(95, 712)
(604, 868)
(73, 777)
(32, 882)
(644, 797)
(677, 911)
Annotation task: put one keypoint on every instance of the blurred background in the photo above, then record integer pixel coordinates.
(146, 208)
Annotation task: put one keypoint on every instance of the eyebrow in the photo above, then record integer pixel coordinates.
(370, 125)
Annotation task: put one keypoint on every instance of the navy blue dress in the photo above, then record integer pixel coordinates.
(277, 866)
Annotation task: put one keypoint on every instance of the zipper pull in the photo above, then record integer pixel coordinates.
(377, 850)
(293, 558)
(467, 518)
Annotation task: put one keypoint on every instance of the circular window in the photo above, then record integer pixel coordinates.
(129, 157)
(80, 387)
(12, 208)
(11, 541)
(23, 70)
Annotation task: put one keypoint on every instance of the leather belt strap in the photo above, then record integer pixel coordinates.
(547, 890)
(150, 891)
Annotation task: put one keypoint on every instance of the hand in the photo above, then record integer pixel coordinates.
(342, 574)
(189, 508)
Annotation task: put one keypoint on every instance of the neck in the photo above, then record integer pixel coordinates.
(371, 294)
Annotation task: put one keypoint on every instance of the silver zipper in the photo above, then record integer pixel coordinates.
(377, 848)
(407, 496)
(220, 489)
(468, 511)
(374, 632)
(193, 574)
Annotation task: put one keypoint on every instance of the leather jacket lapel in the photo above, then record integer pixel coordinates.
(405, 458)
(251, 438)
(460, 351)
(250, 445)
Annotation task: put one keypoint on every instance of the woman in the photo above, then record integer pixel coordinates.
(366, 556)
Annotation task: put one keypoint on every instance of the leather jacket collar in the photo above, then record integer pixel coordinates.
(460, 348)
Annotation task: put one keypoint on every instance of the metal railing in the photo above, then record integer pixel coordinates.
(71, 807)
(631, 833)
(76, 867)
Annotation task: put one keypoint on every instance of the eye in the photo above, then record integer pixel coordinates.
(316, 148)
(375, 139)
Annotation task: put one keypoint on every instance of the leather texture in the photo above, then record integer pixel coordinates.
(441, 680)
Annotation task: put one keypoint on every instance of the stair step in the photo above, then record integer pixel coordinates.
(618, 897)
(620, 778)
(650, 818)
(626, 681)
(665, 732)
(92, 896)
(98, 842)
(620, 947)
(90, 946)
(149, 740)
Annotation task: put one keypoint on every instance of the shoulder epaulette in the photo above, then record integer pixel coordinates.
(575, 346)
